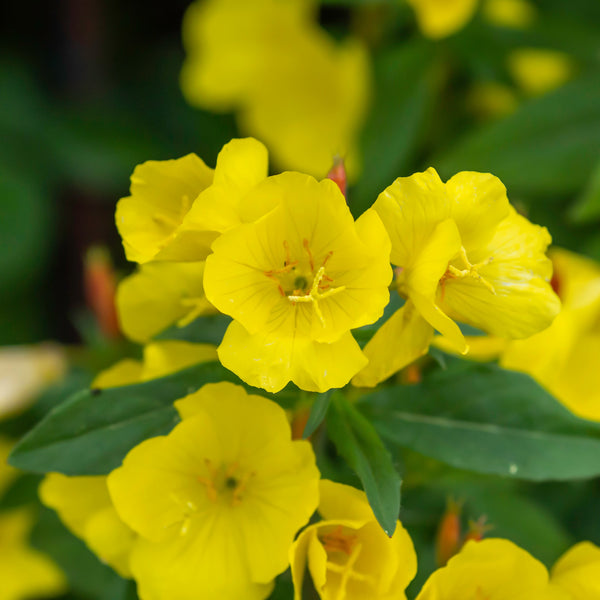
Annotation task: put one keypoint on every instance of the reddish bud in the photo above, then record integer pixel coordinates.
(337, 174)
(448, 539)
(100, 288)
(299, 421)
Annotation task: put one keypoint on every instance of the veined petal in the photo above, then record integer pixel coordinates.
(479, 204)
(161, 194)
(271, 362)
(410, 209)
(403, 338)
(158, 295)
(522, 301)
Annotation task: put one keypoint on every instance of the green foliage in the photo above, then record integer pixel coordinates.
(485, 419)
(357, 441)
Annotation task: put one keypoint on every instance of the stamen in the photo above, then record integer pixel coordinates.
(469, 271)
(310, 256)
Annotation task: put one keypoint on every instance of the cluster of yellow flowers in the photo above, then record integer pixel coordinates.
(290, 83)
(284, 257)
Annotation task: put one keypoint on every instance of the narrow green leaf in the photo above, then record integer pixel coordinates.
(487, 420)
(587, 208)
(317, 414)
(542, 149)
(203, 330)
(92, 431)
(357, 441)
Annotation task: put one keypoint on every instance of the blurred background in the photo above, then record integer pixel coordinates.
(91, 88)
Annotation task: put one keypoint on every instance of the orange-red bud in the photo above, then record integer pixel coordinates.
(448, 539)
(100, 288)
(337, 174)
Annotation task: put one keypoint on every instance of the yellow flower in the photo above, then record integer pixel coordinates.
(296, 281)
(537, 70)
(160, 359)
(576, 572)
(84, 506)
(296, 89)
(517, 14)
(441, 18)
(490, 569)
(216, 502)
(462, 253)
(563, 357)
(158, 295)
(24, 572)
(349, 556)
(178, 207)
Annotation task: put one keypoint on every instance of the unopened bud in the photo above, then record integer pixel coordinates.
(100, 288)
(448, 539)
(337, 174)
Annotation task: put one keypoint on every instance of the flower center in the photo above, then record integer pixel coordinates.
(343, 550)
(299, 280)
(225, 483)
(469, 270)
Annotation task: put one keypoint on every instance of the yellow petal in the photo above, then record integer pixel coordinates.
(158, 295)
(270, 363)
(441, 18)
(162, 192)
(124, 372)
(403, 338)
(164, 358)
(538, 70)
(481, 347)
(576, 572)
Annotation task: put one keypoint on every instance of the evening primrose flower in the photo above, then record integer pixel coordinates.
(489, 569)
(539, 70)
(294, 87)
(217, 502)
(576, 572)
(462, 253)
(84, 506)
(160, 294)
(349, 556)
(441, 18)
(563, 358)
(178, 207)
(296, 281)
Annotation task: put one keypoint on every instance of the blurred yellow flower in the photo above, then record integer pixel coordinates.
(84, 506)
(296, 281)
(160, 294)
(218, 501)
(160, 359)
(576, 572)
(25, 572)
(349, 556)
(177, 208)
(492, 568)
(537, 70)
(441, 18)
(563, 358)
(462, 253)
(294, 88)
(517, 14)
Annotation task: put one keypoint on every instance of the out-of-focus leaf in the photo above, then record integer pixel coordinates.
(404, 86)
(203, 330)
(587, 208)
(92, 431)
(485, 419)
(357, 441)
(86, 574)
(317, 414)
(549, 146)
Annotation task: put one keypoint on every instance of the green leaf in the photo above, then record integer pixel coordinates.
(396, 119)
(317, 414)
(92, 431)
(203, 330)
(485, 419)
(587, 208)
(357, 441)
(544, 148)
